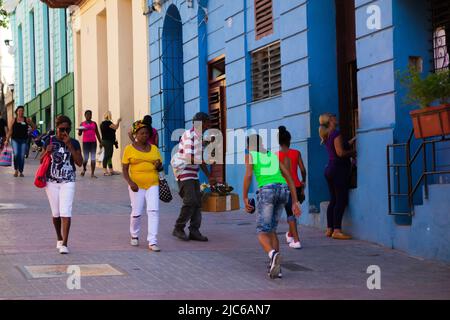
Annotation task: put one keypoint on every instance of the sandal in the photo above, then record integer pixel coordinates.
(107, 174)
(83, 173)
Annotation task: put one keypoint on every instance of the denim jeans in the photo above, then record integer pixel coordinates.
(19, 148)
(271, 200)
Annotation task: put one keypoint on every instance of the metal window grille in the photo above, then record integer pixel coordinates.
(440, 18)
(266, 72)
(263, 18)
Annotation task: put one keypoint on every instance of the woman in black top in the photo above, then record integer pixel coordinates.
(108, 130)
(18, 132)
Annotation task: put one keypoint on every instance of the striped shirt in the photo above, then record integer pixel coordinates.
(190, 145)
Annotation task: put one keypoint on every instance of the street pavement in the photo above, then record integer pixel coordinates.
(230, 266)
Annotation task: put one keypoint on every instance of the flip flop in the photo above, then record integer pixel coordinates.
(106, 174)
(94, 177)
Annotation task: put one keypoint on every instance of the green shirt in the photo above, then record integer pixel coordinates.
(267, 168)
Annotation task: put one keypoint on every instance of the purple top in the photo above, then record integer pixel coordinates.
(333, 158)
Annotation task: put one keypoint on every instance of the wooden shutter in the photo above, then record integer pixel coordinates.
(263, 18)
(266, 72)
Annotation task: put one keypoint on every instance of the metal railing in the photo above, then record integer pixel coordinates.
(410, 159)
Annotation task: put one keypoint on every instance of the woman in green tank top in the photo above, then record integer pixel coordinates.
(274, 184)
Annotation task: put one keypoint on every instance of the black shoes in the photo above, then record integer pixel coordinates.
(180, 234)
(193, 235)
(197, 236)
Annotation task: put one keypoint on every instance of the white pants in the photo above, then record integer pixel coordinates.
(60, 196)
(138, 200)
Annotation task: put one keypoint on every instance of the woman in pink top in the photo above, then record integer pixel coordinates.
(292, 159)
(89, 130)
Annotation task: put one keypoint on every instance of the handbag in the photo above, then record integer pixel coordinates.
(165, 195)
(40, 179)
(101, 154)
(6, 158)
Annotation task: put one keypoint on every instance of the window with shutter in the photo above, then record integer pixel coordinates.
(266, 72)
(263, 18)
(441, 33)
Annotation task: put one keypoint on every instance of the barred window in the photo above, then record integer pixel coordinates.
(266, 72)
(263, 18)
(441, 33)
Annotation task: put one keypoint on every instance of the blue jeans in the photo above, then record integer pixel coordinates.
(19, 148)
(271, 200)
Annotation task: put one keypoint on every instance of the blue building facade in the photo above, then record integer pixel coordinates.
(262, 64)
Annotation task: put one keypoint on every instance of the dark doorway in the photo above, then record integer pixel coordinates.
(171, 52)
(347, 69)
(217, 109)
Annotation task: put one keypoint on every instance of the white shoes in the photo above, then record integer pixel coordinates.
(134, 242)
(59, 244)
(63, 250)
(295, 245)
(289, 239)
(154, 248)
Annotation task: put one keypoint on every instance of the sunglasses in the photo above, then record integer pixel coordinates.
(62, 130)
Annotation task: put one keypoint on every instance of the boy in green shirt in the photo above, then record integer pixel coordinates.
(272, 196)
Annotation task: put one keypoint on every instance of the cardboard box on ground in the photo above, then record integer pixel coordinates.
(220, 203)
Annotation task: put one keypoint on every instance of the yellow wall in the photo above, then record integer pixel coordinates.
(111, 64)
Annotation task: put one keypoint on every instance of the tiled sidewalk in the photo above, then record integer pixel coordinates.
(230, 266)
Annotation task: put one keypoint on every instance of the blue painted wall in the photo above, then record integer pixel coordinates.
(307, 32)
(323, 83)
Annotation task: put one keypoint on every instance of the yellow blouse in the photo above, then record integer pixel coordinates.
(142, 170)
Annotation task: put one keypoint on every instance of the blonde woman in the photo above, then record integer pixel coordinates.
(337, 174)
(108, 129)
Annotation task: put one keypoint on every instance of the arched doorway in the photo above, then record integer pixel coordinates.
(173, 80)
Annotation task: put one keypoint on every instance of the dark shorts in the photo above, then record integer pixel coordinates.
(300, 197)
(89, 149)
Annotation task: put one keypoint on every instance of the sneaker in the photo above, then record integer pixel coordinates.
(134, 242)
(275, 266)
(295, 245)
(180, 234)
(280, 274)
(289, 239)
(154, 248)
(59, 244)
(21, 175)
(63, 250)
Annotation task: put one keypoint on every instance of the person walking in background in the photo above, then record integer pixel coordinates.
(90, 133)
(108, 130)
(292, 159)
(3, 131)
(65, 154)
(337, 174)
(186, 164)
(141, 163)
(154, 138)
(18, 132)
(272, 196)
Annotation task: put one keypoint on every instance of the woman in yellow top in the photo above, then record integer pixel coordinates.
(141, 162)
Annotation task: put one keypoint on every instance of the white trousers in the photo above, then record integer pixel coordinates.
(138, 201)
(60, 196)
